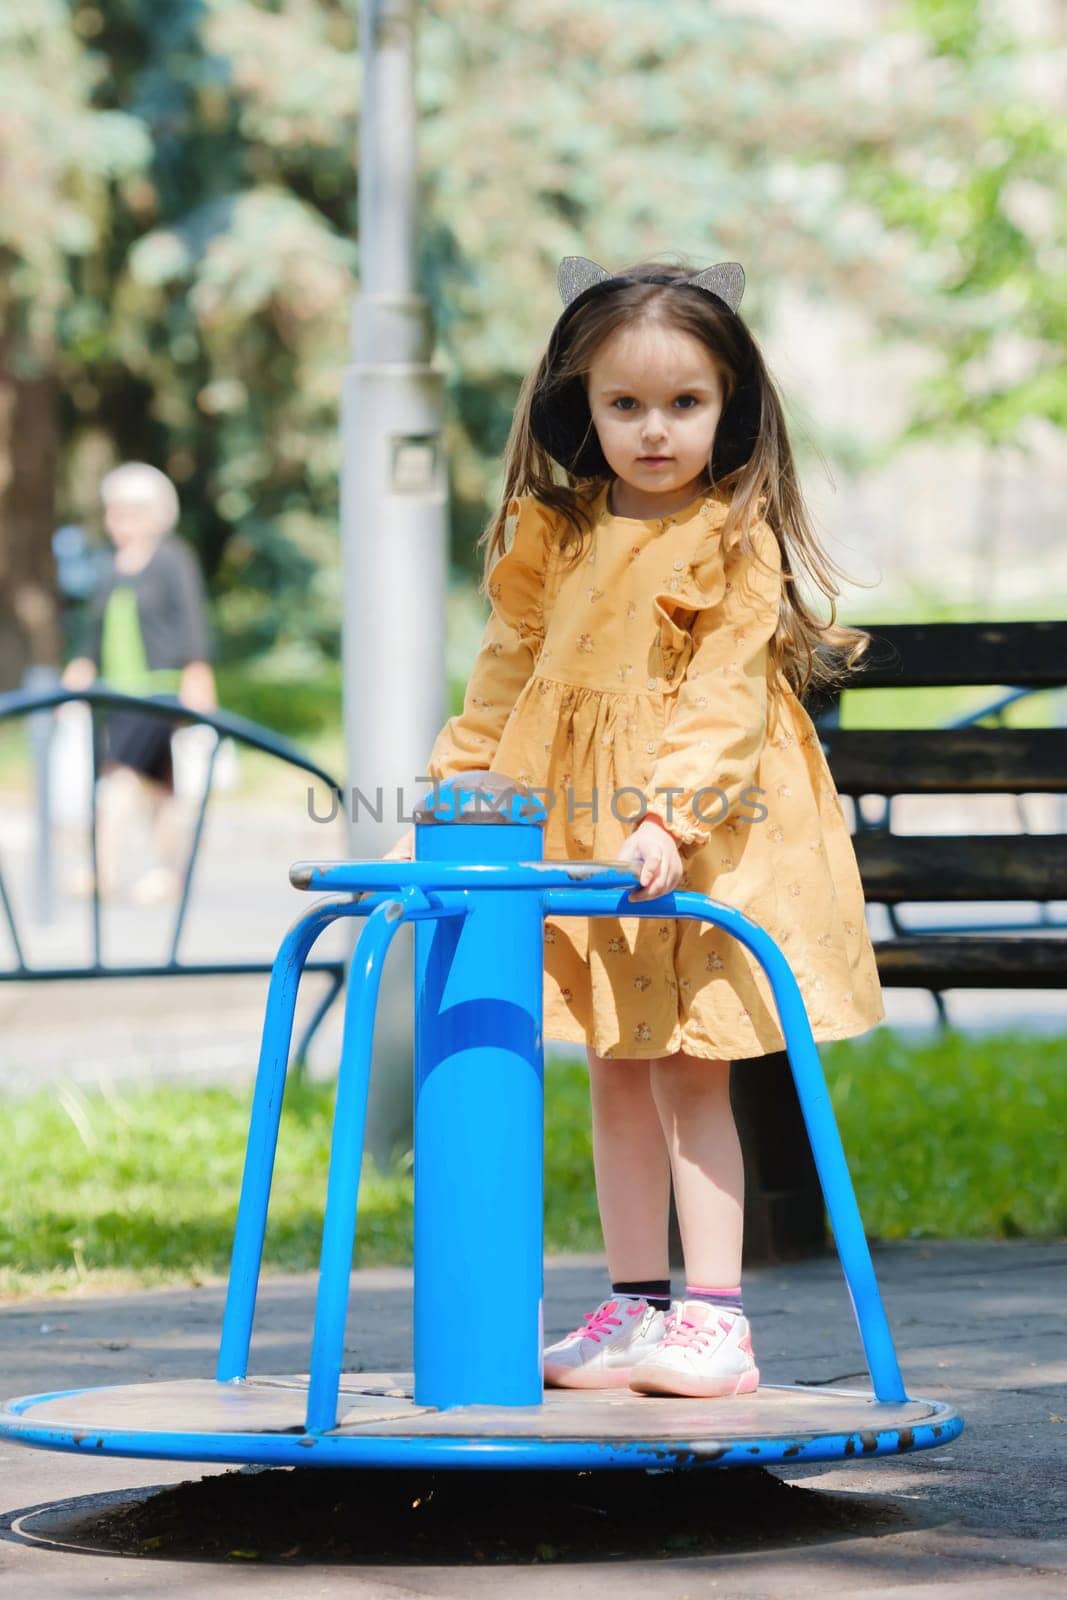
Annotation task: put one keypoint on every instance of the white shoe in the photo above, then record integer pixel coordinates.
(705, 1352)
(601, 1354)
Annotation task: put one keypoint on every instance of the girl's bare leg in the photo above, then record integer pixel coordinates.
(632, 1169)
(120, 821)
(169, 832)
(692, 1097)
(161, 880)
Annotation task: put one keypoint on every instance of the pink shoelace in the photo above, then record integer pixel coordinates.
(680, 1331)
(602, 1320)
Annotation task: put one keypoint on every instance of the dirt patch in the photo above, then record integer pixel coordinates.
(283, 1515)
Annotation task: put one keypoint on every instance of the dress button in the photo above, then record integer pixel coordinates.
(650, 746)
(678, 565)
(652, 683)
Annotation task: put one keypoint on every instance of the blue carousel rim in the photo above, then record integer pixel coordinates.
(940, 1425)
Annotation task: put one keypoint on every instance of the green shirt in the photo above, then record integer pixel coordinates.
(123, 662)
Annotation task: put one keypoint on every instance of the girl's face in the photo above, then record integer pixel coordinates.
(656, 398)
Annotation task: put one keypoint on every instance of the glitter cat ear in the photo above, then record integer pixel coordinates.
(576, 274)
(726, 279)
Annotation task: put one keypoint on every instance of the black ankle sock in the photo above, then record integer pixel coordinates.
(657, 1291)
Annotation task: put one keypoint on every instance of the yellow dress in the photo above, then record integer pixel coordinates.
(642, 669)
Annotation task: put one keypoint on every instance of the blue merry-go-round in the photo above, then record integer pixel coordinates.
(477, 891)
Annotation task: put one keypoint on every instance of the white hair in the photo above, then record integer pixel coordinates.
(137, 482)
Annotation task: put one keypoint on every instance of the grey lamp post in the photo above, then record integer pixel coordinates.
(394, 525)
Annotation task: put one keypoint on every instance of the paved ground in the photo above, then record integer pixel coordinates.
(981, 1325)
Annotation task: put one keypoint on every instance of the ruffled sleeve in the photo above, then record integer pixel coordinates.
(717, 728)
(518, 581)
(509, 647)
(678, 606)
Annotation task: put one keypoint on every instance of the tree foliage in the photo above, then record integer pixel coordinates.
(981, 205)
(179, 198)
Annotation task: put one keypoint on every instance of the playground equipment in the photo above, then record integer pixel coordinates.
(37, 706)
(477, 892)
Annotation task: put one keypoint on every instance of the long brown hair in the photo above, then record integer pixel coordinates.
(810, 652)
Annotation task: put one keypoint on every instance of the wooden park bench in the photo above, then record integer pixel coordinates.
(784, 1214)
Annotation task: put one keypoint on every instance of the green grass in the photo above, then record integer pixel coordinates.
(961, 1137)
(295, 705)
(933, 708)
(141, 1186)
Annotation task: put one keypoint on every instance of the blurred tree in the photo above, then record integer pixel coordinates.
(202, 317)
(909, 169)
(233, 309)
(980, 199)
(59, 158)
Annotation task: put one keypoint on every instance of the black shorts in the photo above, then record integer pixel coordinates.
(132, 739)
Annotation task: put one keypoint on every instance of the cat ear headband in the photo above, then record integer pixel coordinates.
(559, 412)
(577, 274)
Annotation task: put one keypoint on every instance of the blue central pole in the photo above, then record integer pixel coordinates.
(479, 1116)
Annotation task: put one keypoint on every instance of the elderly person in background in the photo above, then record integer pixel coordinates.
(146, 633)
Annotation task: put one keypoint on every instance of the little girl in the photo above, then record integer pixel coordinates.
(642, 667)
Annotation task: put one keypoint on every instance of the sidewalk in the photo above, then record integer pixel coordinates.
(981, 1325)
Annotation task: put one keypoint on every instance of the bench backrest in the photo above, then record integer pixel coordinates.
(960, 759)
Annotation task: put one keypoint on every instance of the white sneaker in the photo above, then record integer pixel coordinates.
(705, 1352)
(601, 1354)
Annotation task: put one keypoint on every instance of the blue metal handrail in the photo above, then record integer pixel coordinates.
(226, 724)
